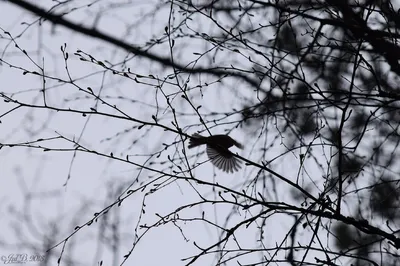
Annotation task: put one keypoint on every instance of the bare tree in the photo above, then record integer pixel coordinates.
(309, 87)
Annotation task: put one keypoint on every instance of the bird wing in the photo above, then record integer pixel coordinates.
(223, 159)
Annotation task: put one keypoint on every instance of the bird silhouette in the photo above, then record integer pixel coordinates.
(218, 151)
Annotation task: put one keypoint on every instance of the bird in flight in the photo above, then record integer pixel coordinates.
(218, 151)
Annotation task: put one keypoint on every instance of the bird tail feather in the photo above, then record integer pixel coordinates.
(196, 140)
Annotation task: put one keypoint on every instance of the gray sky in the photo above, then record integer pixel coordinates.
(96, 182)
(45, 194)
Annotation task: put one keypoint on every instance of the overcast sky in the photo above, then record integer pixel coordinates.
(47, 189)
(37, 204)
